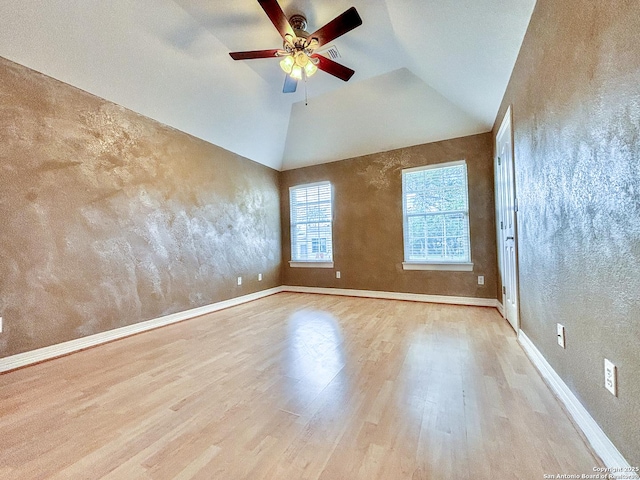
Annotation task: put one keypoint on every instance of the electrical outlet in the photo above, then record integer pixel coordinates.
(561, 340)
(259, 277)
(337, 274)
(480, 279)
(239, 281)
(0, 324)
(610, 380)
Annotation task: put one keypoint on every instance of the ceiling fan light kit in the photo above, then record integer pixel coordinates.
(298, 50)
(299, 47)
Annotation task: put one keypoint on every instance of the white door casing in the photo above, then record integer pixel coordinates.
(506, 209)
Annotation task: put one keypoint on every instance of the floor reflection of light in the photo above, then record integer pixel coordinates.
(429, 376)
(314, 352)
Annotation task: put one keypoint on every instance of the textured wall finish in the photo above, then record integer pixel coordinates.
(576, 112)
(109, 218)
(367, 229)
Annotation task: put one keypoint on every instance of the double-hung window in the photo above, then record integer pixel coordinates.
(435, 206)
(311, 225)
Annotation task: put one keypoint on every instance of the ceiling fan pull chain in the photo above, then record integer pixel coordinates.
(305, 92)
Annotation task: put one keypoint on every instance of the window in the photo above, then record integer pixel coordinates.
(311, 222)
(435, 209)
(319, 245)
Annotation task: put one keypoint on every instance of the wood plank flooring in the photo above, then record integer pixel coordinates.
(294, 386)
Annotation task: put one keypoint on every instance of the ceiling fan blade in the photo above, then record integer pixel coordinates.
(334, 68)
(277, 16)
(254, 54)
(338, 26)
(290, 84)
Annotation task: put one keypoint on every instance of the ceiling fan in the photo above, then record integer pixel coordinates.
(300, 59)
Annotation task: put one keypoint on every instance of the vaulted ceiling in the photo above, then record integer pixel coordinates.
(426, 70)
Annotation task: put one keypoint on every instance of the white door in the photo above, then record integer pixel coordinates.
(506, 208)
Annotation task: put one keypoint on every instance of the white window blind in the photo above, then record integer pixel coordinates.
(436, 214)
(311, 217)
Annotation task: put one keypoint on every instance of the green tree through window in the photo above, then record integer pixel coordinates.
(436, 214)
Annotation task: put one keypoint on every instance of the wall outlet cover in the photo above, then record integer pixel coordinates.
(337, 274)
(239, 281)
(259, 277)
(480, 279)
(560, 333)
(610, 380)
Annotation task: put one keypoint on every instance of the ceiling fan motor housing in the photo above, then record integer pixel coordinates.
(299, 24)
(300, 46)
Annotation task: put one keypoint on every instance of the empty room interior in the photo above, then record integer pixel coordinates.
(295, 239)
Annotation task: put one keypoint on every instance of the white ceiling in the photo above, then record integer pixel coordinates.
(426, 70)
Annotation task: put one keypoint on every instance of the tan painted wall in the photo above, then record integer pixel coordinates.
(110, 218)
(367, 230)
(576, 110)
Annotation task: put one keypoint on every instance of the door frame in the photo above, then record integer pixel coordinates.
(506, 124)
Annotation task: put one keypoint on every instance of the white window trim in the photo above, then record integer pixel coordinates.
(307, 185)
(452, 267)
(431, 166)
(321, 263)
(434, 265)
(310, 264)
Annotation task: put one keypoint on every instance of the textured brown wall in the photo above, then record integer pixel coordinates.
(367, 229)
(110, 218)
(576, 109)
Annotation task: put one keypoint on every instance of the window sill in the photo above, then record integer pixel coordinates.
(311, 264)
(451, 267)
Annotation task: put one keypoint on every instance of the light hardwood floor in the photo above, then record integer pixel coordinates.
(294, 386)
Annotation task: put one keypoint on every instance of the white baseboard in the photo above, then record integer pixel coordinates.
(602, 446)
(46, 353)
(414, 297)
